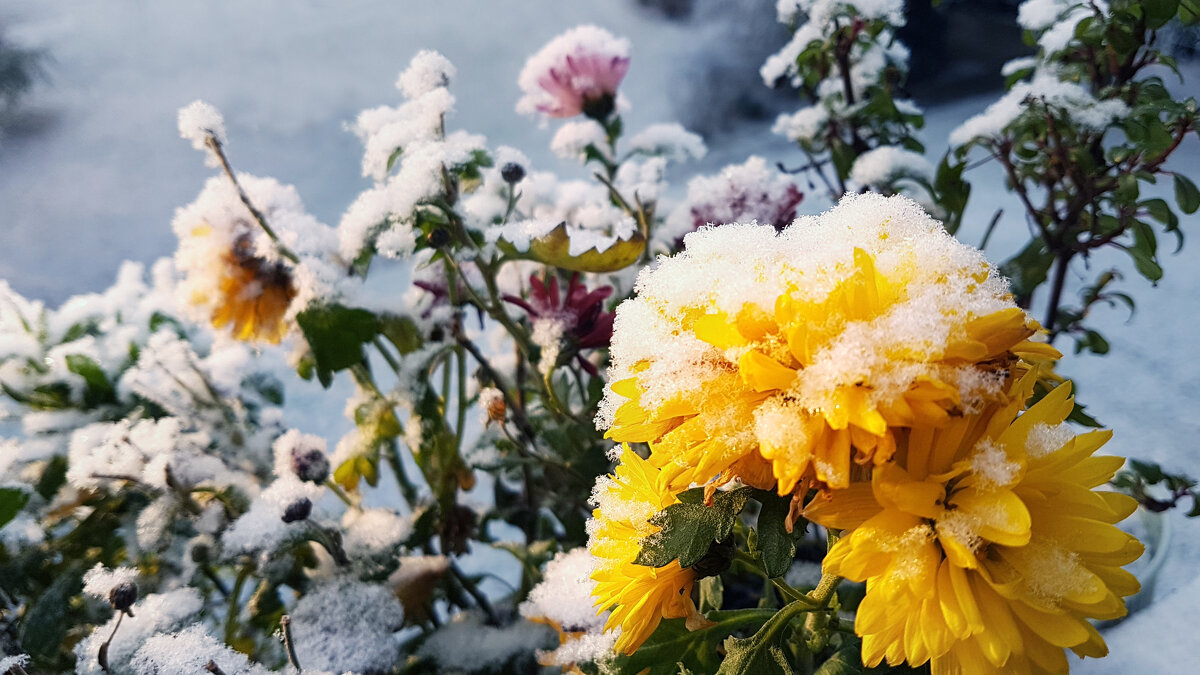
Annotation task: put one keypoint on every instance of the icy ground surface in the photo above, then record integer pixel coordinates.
(99, 169)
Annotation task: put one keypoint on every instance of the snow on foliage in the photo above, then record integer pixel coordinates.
(489, 646)
(199, 120)
(156, 613)
(188, 652)
(346, 625)
(1068, 99)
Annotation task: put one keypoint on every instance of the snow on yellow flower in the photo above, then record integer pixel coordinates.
(985, 546)
(639, 596)
(777, 358)
(233, 275)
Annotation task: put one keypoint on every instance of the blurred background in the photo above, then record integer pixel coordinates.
(92, 167)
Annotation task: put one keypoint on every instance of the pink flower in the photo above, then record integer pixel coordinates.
(577, 72)
(585, 323)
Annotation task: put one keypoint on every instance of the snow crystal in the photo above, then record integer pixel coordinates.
(197, 121)
(156, 613)
(1018, 64)
(802, 126)
(9, 662)
(880, 167)
(1037, 15)
(741, 193)
(1080, 107)
(547, 335)
(347, 625)
(187, 653)
(98, 581)
(669, 140)
(1045, 439)
(724, 269)
(420, 570)
(373, 532)
(992, 467)
(427, 71)
(565, 593)
(490, 646)
(262, 528)
(572, 140)
(298, 450)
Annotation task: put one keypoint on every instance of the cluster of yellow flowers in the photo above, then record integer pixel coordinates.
(869, 358)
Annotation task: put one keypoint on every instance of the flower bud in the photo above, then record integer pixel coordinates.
(310, 464)
(512, 173)
(123, 595)
(297, 510)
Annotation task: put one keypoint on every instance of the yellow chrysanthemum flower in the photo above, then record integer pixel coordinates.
(252, 295)
(781, 358)
(639, 596)
(985, 546)
(233, 273)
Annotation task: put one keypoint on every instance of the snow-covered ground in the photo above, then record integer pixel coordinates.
(98, 172)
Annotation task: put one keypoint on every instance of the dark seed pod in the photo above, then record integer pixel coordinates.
(123, 595)
(439, 237)
(297, 510)
(311, 465)
(512, 173)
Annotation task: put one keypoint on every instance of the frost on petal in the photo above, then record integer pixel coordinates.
(741, 193)
(580, 68)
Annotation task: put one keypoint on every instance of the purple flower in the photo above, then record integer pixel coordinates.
(585, 324)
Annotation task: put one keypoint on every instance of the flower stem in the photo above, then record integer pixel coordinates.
(215, 145)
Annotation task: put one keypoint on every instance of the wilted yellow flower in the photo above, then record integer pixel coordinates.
(985, 546)
(777, 358)
(639, 596)
(252, 296)
(233, 273)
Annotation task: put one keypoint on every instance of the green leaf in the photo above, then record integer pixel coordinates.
(1127, 189)
(759, 654)
(336, 334)
(845, 661)
(1028, 269)
(401, 331)
(712, 593)
(1145, 265)
(1159, 12)
(98, 390)
(672, 644)
(45, 625)
(1186, 194)
(1189, 12)
(688, 530)
(1150, 471)
(1161, 211)
(54, 476)
(777, 545)
(12, 500)
(1096, 343)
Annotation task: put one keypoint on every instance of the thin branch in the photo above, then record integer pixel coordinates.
(213, 144)
(285, 626)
